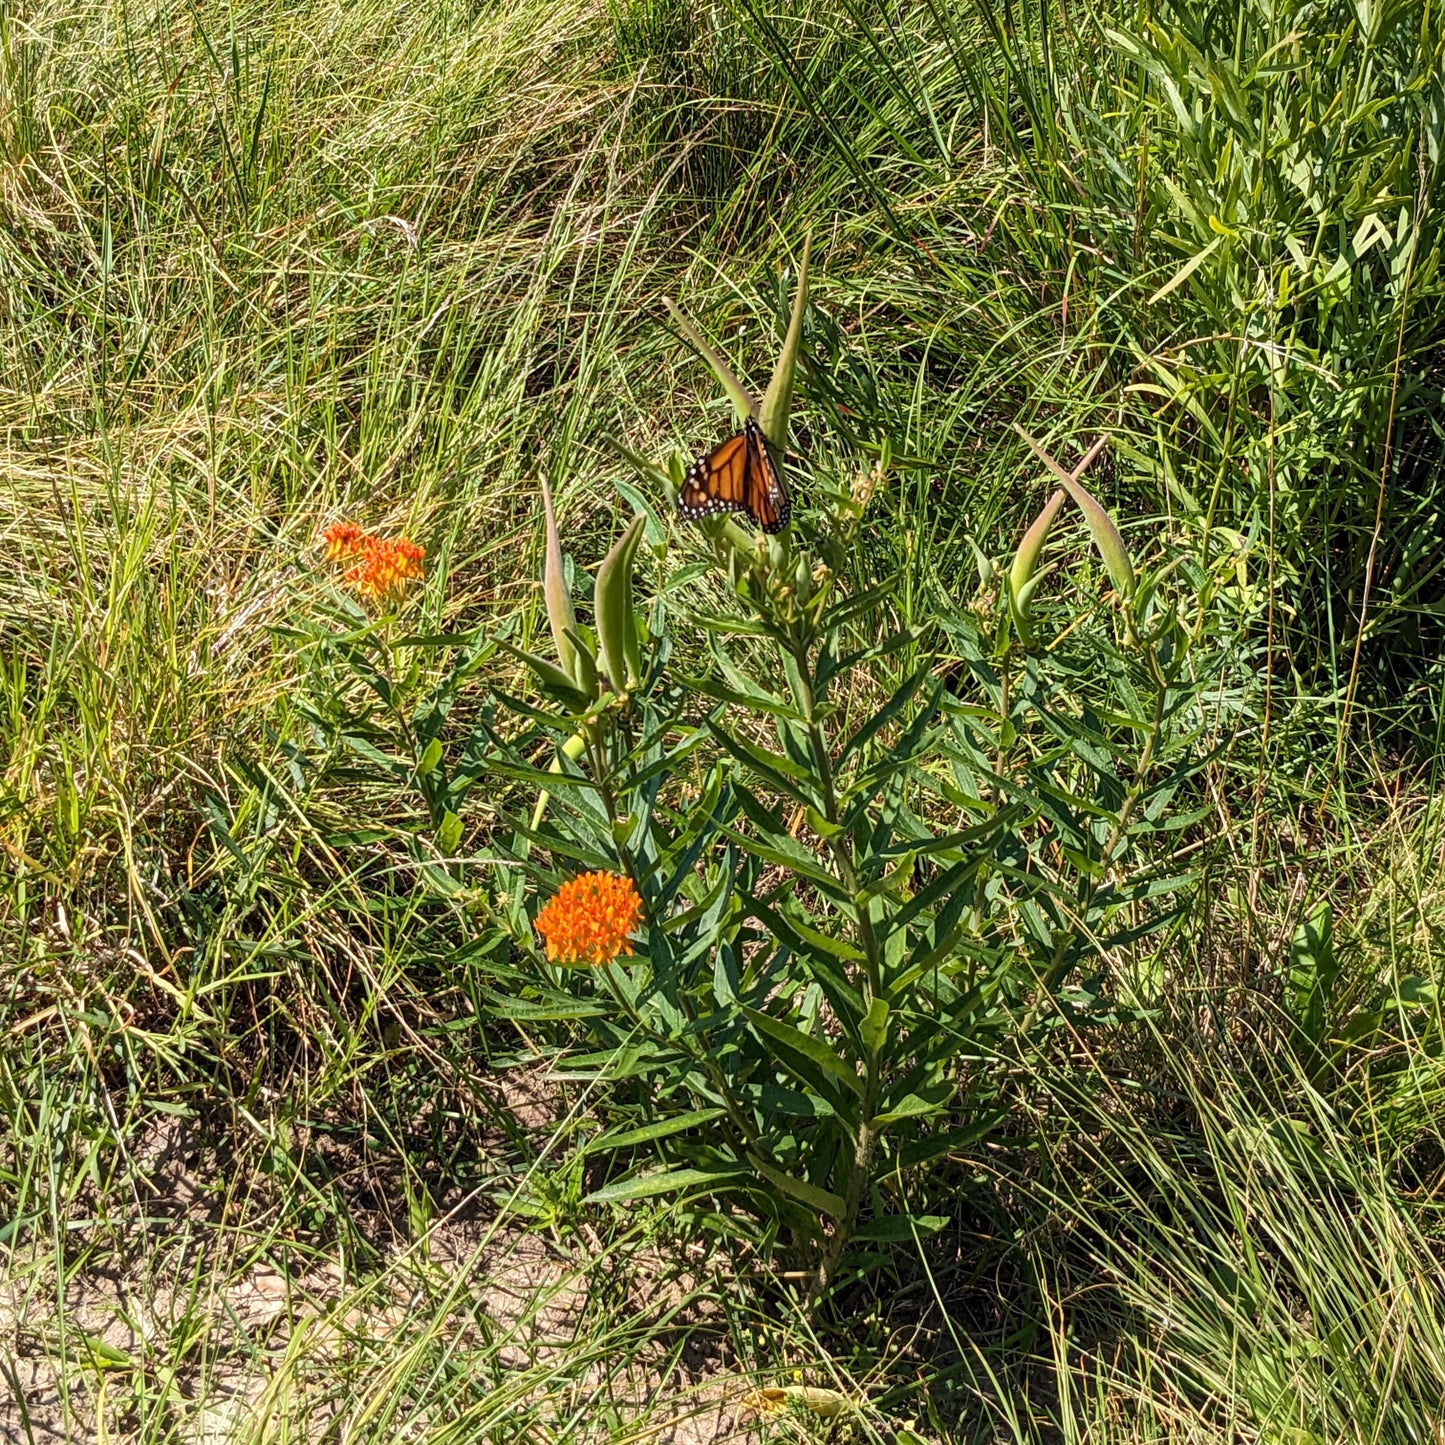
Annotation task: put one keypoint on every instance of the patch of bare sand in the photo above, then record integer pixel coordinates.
(206, 1317)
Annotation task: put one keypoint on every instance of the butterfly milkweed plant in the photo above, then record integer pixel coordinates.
(792, 869)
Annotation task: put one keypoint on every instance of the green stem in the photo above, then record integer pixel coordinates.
(739, 1120)
(1005, 701)
(862, 1163)
(840, 847)
(597, 759)
(1141, 771)
(1054, 974)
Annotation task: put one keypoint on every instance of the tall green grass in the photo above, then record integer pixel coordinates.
(1211, 228)
(266, 267)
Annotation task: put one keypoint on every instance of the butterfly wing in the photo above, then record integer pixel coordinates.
(716, 482)
(767, 499)
(736, 476)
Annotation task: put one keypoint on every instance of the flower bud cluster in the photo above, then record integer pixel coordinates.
(381, 567)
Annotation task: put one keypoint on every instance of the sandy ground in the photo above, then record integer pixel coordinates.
(64, 1363)
(224, 1328)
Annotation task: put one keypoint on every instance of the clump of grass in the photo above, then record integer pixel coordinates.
(393, 265)
(1211, 228)
(1274, 1274)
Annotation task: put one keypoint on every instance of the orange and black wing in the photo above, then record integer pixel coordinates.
(736, 476)
(717, 482)
(767, 497)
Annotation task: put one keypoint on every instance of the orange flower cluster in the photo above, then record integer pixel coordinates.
(343, 539)
(381, 566)
(589, 919)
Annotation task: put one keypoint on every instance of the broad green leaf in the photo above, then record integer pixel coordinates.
(860, 603)
(874, 1028)
(899, 1228)
(922, 1150)
(667, 1181)
(552, 1006)
(811, 1048)
(762, 817)
(662, 1129)
(1314, 970)
(1185, 271)
(783, 850)
(909, 1107)
(781, 772)
(820, 1200)
(757, 701)
(364, 748)
(887, 714)
(809, 937)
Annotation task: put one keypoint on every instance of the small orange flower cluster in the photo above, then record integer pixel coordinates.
(343, 539)
(589, 919)
(381, 566)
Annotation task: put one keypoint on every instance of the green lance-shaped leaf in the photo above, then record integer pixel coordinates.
(615, 614)
(778, 399)
(557, 684)
(1021, 577)
(560, 616)
(742, 398)
(1101, 525)
(874, 1028)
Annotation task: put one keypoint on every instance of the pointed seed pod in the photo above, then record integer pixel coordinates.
(560, 615)
(613, 598)
(777, 405)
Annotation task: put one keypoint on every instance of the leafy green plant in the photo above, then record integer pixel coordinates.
(269, 896)
(854, 903)
(375, 701)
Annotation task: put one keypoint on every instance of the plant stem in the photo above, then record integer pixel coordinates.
(840, 847)
(601, 776)
(1141, 772)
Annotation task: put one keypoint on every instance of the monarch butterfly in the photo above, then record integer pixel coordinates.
(737, 475)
